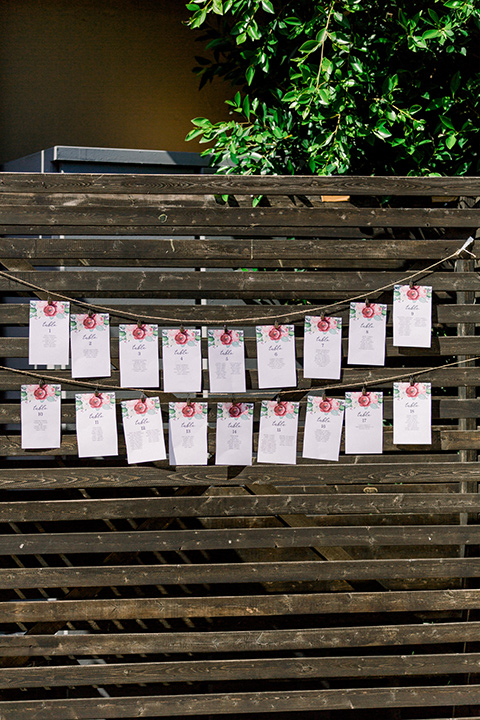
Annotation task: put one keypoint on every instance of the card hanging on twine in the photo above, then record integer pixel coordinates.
(277, 440)
(234, 436)
(412, 413)
(49, 333)
(188, 433)
(96, 421)
(322, 347)
(276, 356)
(40, 416)
(226, 360)
(182, 360)
(143, 429)
(138, 353)
(363, 423)
(367, 333)
(90, 341)
(323, 428)
(412, 316)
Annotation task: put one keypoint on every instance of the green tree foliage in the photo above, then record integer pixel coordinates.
(358, 86)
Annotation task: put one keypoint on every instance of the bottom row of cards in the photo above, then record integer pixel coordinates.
(96, 426)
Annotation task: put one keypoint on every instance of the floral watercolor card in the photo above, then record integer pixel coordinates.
(40, 416)
(90, 340)
(412, 413)
(234, 437)
(322, 347)
(96, 419)
(277, 441)
(138, 349)
(182, 360)
(226, 360)
(366, 333)
(276, 356)
(188, 433)
(412, 316)
(363, 423)
(323, 428)
(49, 333)
(143, 429)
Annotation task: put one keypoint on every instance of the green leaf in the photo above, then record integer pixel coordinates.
(429, 34)
(217, 6)
(309, 46)
(250, 73)
(450, 141)
(268, 7)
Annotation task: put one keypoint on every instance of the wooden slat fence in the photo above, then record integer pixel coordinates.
(325, 590)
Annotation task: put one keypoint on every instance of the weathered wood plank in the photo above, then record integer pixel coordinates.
(305, 570)
(239, 640)
(215, 671)
(240, 606)
(175, 540)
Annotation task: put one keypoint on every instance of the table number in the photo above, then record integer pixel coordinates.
(412, 413)
(188, 433)
(412, 316)
(323, 428)
(182, 360)
(96, 420)
(363, 423)
(322, 347)
(49, 333)
(90, 340)
(40, 416)
(143, 429)
(366, 333)
(226, 360)
(277, 441)
(234, 436)
(138, 350)
(276, 356)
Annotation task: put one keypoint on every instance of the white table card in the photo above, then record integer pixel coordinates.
(412, 315)
(412, 413)
(323, 428)
(276, 356)
(143, 429)
(49, 333)
(188, 433)
(234, 437)
(182, 360)
(138, 349)
(363, 423)
(322, 347)
(366, 333)
(96, 419)
(277, 440)
(40, 415)
(226, 360)
(90, 339)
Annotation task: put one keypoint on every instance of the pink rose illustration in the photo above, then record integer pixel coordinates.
(368, 311)
(324, 325)
(40, 393)
(140, 407)
(364, 400)
(50, 309)
(95, 401)
(139, 332)
(280, 409)
(325, 406)
(235, 411)
(413, 293)
(412, 391)
(181, 338)
(275, 333)
(188, 410)
(226, 338)
(90, 322)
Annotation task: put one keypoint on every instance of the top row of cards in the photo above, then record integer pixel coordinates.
(53, 332)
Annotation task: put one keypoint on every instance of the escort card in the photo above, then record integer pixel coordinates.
(182, 360)
(226, 360)
(366, 334)
(323, 428)
(363, 423)
(49, 333)
(96, 424)
(234, 434)
(412, 316)
(138, 348)
(322, 347)
(412, 413)
(90, 339)
(188, 433)
(40, 415)
(277, 441)
(276, 356)
(143, 429)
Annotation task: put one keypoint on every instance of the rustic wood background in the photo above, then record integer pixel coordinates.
(331, 591)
